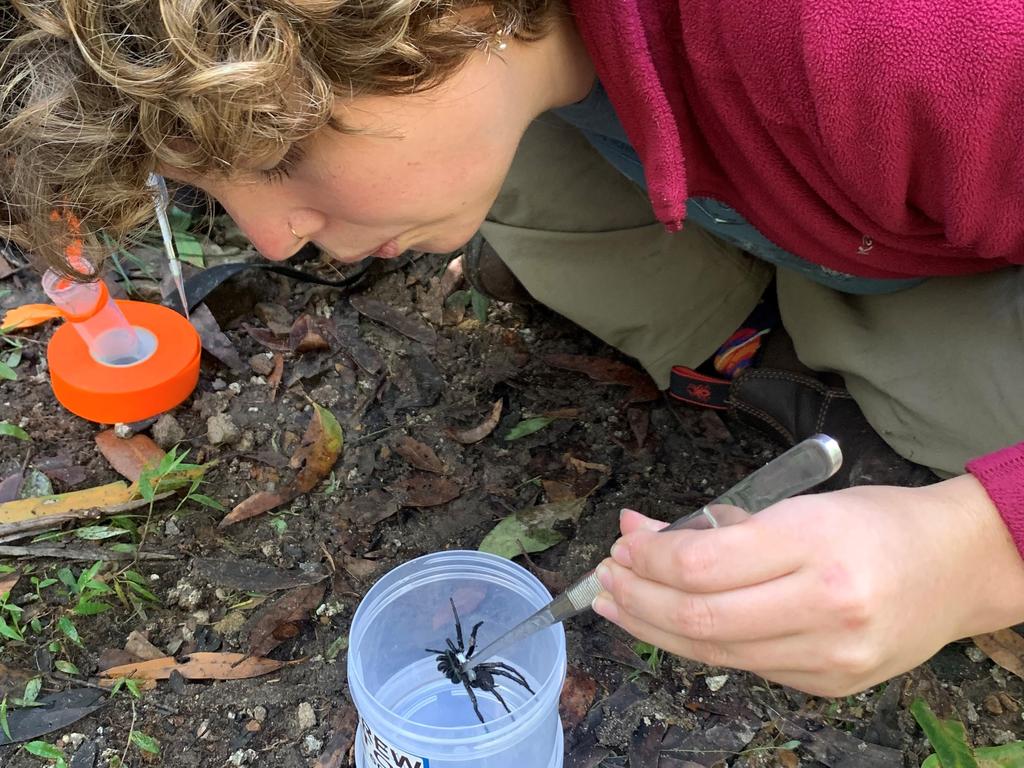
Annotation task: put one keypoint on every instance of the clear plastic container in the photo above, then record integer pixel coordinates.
(91, 311)
(411, 716)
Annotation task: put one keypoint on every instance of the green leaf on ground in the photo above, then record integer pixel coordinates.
(531, 530)
(66, 626)
(528, 427)
(6, 372)
(36, 485)
(947, 737)
(480, 304)
(44, 750)
(145, 743)
(8, 429)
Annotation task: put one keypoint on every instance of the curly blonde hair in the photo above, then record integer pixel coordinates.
(96, 94)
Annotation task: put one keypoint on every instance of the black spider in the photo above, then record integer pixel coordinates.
(450, 664)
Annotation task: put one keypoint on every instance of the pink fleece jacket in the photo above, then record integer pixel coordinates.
(882, 138)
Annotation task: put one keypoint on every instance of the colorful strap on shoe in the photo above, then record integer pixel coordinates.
(697, 388)
(738, 353)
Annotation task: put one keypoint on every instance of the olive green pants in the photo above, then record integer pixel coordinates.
(937, 369)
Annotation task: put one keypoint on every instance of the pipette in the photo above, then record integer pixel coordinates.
(802, 467)
(162, 200)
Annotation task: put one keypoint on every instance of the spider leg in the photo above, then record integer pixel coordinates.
(472, 697)
(458, 627)
(501, 700)
(431, 650)
(452, 646)
(472, 639)
(501, 669)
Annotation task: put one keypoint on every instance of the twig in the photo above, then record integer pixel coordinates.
(128, 741)
(79, 553)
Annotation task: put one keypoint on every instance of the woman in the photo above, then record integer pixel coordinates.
(865, 154)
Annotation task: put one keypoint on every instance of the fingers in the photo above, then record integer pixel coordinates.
(630, 520)
(756, 550)
(773, 609)
(805, 661)
(781, 654)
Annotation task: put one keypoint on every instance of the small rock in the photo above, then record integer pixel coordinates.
(716, 682)
(247, 441)
(1003, 737)
(312, 745)
(262, 364)
(259, 713)
(171, 528)
(74, 739)
(122, 431)
(219, 385)
(242, 757)
(253, 726)
(1009, 703)
(235, 388)
(203, 731)
(993, 705)
(326, 395)
(307, 717)
(270, 549)
(201, 616)
(167, 432)
(186, 595)
(972, 713)
(222, 429)
(975, 654)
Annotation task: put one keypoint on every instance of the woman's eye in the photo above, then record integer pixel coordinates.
(284, 168)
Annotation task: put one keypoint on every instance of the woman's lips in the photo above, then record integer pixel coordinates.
(388, 250)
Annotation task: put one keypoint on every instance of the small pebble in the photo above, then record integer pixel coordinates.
(235, 387)
(122, 431)
(167, 432)
(171, 528)
(260, 713)
(242, 757)
(975, 654)
(716, 682)
(313, 745)
(262, 364)
(972, 713)
(222, 429)
(219, 385)
(307, 717)
(253, 726)
(993, 705)
(1003, 737)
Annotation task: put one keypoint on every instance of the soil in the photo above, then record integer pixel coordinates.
(620, 709)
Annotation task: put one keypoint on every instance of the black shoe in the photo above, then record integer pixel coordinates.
(790, 402)
(488, 274)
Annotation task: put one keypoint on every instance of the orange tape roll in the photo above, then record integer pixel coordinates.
(109, 394)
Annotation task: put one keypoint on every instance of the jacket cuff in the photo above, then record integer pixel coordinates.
(1002, 475)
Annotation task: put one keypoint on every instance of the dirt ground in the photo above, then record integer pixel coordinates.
(441, 370)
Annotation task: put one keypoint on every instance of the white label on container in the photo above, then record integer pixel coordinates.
(380, 754)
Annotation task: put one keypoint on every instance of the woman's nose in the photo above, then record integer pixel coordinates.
(282, 236)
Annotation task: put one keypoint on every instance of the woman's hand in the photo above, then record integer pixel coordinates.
(829, 593)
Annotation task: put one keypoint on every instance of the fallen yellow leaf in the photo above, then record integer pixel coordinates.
(91, 498)
(28, 315)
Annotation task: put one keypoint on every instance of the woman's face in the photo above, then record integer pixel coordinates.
(421, 173)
